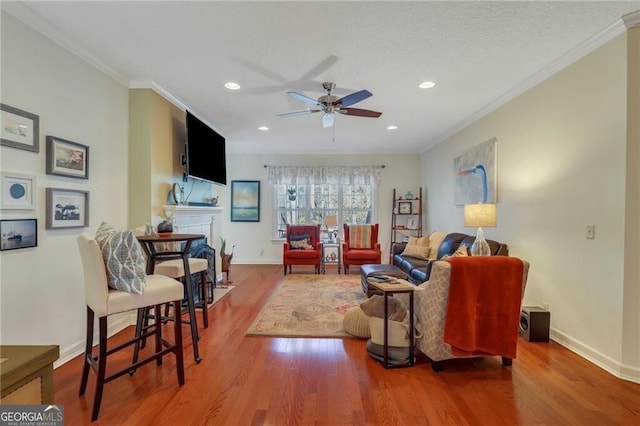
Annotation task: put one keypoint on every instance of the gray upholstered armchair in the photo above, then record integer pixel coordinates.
(431, 306)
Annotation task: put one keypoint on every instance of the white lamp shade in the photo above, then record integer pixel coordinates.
(480, 215)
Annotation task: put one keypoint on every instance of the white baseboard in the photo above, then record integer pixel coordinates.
(621, 371)
(119, 324)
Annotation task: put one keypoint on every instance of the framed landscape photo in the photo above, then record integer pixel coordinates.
(18, 191)
(67, 208)
(66, 158)
(404, 207)
(20, 129)
(245, 201)
(18, 233)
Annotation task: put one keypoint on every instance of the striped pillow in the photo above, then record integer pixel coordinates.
(360, 236)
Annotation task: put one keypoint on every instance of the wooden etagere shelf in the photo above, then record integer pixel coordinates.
(406, 217)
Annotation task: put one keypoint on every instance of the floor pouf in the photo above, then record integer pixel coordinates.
(356, 323)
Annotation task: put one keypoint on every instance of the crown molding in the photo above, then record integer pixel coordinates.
(149, 84)
(632, 20)
(22, 12)
(562, 62)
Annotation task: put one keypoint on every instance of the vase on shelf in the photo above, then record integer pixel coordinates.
(409, 195)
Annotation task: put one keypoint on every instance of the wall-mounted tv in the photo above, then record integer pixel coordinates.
(205, 152)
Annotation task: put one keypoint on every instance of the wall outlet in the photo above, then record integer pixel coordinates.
(591, 232)
(261, 251)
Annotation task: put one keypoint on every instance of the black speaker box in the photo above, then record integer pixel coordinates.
(534, 324)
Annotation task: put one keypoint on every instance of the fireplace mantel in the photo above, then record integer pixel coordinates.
(173, 211)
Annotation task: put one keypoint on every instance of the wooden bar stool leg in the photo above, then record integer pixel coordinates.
(139, 331)
(177, 335)
(87, 352)
(102, 367)
(203, 297)
(158, 332)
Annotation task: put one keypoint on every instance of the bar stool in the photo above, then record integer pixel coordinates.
(103, 301)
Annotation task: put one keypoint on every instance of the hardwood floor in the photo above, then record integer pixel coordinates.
(290, 381)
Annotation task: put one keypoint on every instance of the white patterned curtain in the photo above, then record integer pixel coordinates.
(328, 175)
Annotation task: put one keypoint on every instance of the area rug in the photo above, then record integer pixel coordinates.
(219, 292)
(308, 306)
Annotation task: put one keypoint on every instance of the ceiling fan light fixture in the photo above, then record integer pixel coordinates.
(232, 85)
(426, 85)
(327, 119)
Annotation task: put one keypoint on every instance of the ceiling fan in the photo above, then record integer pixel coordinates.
(330, 104)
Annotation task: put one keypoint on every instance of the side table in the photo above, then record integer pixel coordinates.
(392, 287)
(331, 253)
(26, 374)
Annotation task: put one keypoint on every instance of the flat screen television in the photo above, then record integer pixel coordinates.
(205, 152)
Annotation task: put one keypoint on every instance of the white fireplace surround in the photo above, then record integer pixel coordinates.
(193, 219)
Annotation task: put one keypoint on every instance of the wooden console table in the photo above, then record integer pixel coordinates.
(26, 374)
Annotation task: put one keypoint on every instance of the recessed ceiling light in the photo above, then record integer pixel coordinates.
(426, 85)
(392, 127)
(231, 85)
(263, 128)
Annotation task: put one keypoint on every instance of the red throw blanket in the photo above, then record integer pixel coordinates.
(483, 310)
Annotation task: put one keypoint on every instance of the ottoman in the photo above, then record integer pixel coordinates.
(370, 270)
(356, 323)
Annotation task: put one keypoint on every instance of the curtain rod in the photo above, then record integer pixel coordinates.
(382, 166)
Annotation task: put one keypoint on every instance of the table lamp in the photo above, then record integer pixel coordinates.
(480, 215)
(331, 222)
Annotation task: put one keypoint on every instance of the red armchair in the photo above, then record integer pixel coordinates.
(357, 249)
(303, 247)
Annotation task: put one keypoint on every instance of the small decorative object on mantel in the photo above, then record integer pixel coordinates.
(409, 195)
(214, 202)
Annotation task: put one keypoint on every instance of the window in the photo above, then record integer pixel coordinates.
(311, 204)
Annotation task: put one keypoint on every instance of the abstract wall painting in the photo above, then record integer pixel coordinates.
(475, 174)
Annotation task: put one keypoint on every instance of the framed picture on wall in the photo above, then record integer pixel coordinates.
(18, 233)
(67, 208)
(18, 191)
(66, 158)
(20, 129)
(245, 201)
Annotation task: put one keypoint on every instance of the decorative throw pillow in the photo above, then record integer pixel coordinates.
(360, 236)
(123, 259)
(462, 251)
(300, 244)
(419, 241)
(416, 251)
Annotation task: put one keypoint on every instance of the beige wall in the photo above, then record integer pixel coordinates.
(561, 166)
(631, 314)
(42, 291)
(156, 137)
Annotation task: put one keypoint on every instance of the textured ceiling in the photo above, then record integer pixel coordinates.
(478, 53)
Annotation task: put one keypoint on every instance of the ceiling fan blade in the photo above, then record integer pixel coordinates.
(292, 114)
(327, 119)
(354, 98)
(360, 112)
(304, 98)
